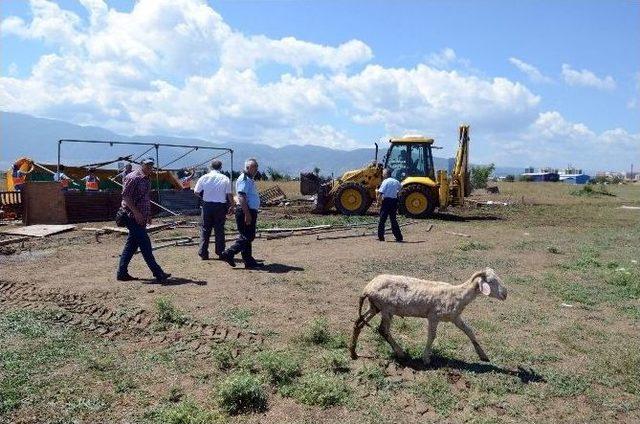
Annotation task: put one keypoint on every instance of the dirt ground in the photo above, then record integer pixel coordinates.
(78, 346)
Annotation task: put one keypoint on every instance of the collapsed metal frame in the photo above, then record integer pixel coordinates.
(155, 146)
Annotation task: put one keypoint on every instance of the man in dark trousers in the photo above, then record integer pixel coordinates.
(215, 190)
(136, 201)
(246, 216)
(388, 199)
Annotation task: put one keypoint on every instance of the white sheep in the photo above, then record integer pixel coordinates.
(435, 300)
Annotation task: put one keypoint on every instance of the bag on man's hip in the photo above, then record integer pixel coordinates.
(121, 217)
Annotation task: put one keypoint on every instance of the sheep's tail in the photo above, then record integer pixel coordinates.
(359, 324)
(360, 303)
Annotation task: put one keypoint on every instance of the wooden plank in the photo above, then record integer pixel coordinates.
(283, 230)
(13, 240)
(38, 230)
(150, 228)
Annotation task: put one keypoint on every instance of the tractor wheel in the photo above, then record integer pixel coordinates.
(416, 201)
(352, 199)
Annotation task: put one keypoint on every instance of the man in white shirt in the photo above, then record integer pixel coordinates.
(215, 190)
(388, 199)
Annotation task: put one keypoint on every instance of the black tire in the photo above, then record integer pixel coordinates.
(354, 208)
(416, 190)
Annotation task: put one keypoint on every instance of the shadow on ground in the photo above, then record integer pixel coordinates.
(464, 218)
(177, 281)
(525, 375)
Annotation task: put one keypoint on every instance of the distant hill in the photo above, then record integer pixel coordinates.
(25, 135)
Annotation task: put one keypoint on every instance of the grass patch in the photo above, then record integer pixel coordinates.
(473, 245)
(562, 384)
(437, 393)
(627, 281)
(375, 375)
(281, 368)
(591, 190)
(240, 393)
(222, 355)
(30, 348)
(335, 361)
(318, 333)
(239, 316)
(185, 412)
(321, 389)
(167, 313)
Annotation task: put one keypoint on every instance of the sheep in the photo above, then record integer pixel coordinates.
(435, 300)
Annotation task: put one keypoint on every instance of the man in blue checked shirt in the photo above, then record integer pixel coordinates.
(388, 199)
(246, 216)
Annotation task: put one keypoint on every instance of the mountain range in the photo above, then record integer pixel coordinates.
(37, 138)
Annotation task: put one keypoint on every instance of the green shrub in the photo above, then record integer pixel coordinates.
(627, 281)
(375, 375)
(321, 389)
(240, 393)
(167, 313)
(591, 190)
(222, 355)
(335, 361)
(480, 175)
(187, 412)
(281, 367)
(318, 333)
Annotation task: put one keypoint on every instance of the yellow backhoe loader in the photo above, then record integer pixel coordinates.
(410, 161)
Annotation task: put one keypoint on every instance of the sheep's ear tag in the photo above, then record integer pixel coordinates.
(485, 288)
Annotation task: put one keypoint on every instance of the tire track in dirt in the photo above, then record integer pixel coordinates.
(90, 315)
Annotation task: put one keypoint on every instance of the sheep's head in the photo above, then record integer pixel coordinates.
(489, 284)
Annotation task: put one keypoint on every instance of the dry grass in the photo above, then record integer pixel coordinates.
(563, 347)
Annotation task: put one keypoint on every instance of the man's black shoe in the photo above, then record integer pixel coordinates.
(253, 264)
(204, 257)
(125, 277)
(228, 259)
(162, 278)
(400, 241)
(381, 238)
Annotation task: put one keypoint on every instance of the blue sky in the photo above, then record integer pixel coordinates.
(544, 82)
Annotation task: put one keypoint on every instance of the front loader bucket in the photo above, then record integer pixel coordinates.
(309, 183)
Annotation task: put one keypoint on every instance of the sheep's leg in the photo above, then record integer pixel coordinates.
(358, 326)
(426, 355)
(469, 332)
(383, 329)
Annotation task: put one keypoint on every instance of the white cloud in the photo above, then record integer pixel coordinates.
(50, 23)
(531, 71)
(176, 67)
(587, 78)
(552, 140)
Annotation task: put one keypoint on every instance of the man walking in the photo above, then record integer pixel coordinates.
(136, 201)
(215, 190)
(246, 216)
(388, 197)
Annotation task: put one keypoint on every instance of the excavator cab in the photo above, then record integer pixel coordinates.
(410, 157)
(411, 162)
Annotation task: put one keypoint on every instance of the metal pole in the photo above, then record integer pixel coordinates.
(158, 172)
(232, 187)
(58, 166)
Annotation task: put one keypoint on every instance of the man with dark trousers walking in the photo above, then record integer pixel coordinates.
(246, 216)
(388, 199)
(136, 201)
(215, 190)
